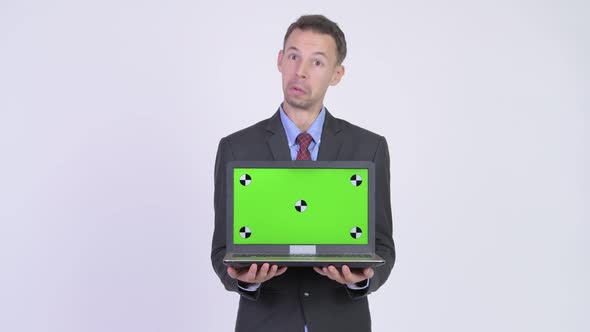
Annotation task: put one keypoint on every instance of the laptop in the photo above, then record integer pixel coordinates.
(301, 213)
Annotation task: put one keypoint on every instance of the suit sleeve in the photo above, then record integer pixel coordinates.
(384, 245)
(218, 246)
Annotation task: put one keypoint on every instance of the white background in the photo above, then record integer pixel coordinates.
(111, 111)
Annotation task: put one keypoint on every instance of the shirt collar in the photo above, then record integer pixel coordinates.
(292, 131)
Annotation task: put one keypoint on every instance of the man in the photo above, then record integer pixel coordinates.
(275, 298)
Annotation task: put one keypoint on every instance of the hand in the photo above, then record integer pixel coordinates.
(253, 275)
(345, 275)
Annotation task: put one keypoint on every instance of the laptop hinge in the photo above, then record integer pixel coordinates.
(302, 250)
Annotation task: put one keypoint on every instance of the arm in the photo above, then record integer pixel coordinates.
(384, 245)
(218, 246)
(369, 280)
(237, 280)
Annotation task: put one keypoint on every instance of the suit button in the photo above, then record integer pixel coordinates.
(306, 294)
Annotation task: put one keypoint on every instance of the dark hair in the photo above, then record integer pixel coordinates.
(320, 24)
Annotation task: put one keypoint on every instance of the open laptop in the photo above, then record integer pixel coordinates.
(301, 213)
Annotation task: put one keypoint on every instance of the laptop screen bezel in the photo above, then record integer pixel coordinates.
(368, 248)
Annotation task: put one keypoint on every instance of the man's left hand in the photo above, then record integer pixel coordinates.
(345, 275)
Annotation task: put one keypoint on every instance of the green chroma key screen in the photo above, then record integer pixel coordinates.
(300, 206)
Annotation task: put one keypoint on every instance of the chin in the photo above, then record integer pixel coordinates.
(306, 105)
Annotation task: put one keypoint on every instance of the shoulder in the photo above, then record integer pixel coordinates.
(356, 143)
(249, 143)
(256, 130)
(355, 132)
(252, 134)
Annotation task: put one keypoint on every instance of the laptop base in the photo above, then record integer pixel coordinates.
(352, 261)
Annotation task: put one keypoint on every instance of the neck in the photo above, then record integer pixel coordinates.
(302, 118)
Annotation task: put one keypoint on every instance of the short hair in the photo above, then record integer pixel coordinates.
(320, 24)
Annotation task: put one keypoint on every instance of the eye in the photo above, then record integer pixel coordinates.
(292, 57)
(317, 63)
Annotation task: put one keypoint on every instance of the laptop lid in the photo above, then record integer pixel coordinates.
(300, 207)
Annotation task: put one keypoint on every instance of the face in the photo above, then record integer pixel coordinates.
(308, 65)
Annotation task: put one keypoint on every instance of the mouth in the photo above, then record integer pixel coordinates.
(297, 89)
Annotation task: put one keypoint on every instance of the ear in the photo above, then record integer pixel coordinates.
(337, 75)
(280, 60)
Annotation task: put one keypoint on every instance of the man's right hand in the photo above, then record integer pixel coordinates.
(253, 275)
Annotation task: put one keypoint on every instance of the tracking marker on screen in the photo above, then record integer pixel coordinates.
(245, 180)
(245, 232)
(356, 180)
(356, 232)
(300, 205)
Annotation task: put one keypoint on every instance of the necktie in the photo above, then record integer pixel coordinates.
(304, 139)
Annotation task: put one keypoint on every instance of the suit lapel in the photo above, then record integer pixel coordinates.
(277, 139)
(331, 139)
(329, 148)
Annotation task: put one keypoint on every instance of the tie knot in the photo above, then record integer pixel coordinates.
(304, 139)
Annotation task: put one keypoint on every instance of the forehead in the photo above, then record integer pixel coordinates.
(312, 42)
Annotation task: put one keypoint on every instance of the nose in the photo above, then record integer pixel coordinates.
(302, 70)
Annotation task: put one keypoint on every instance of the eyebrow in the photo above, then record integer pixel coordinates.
(314, 53)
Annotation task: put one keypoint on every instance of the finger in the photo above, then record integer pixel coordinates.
(333, 270)
(232, 272)
(261, 276)
(250, 276)
(335, 274)
(348, 276)
(369, 272)
(274, 269)
(328, 273)
(319, 270)
(281, 271)
(271, 272)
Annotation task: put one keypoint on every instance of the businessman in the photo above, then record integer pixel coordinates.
(274, 298)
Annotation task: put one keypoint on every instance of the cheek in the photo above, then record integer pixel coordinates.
(288, 71)
(285, 72)
(326, 80)
(326, 76)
